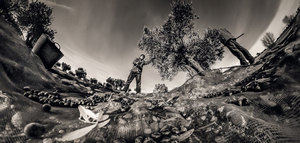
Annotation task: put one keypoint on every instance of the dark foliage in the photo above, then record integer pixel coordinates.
(80, 73)
(176, 46)
(287, 19)
(36, 20)
(10, 9)
(94, 80)
(65, 67)
(268, 40)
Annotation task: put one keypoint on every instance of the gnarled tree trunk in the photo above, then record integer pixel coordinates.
(195, 66)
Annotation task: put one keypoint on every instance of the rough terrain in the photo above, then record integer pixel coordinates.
(258, 103)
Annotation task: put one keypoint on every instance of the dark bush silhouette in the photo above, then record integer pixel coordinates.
(268, 40)
(94, 80)
(80, 73)
(65, 67)
(287, 19)
(36, 20)
(10, 9)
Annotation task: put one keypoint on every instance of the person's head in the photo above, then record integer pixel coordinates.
(142, 56)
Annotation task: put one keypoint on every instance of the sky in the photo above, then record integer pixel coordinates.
(102, 35)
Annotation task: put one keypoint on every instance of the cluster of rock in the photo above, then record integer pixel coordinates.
(225, 92)
(55, 98)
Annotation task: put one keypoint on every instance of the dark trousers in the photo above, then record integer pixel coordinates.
(130, 78)
(240, 52)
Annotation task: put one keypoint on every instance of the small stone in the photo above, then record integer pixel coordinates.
(12, 106)
(221, 109)
(156, 135)
(175, 130)
(61, 131)
(26, 88)
(34, 130)
(203, 118)
(216, 131)
(245, 102)
(26, 94)
(47, 140)
(165, 140)
(220, 139)
(213, 118)
(16, 120)
(149, 140)
(183, 129)
(46, 107)
(166, 133)
(127, 116)
(122, 121)
(208, 129)
(139, 139)
(154, 118)
(147, 131)
(119, 141)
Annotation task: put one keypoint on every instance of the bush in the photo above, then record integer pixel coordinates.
(268, 40)
(287, 19)
(160, 88)
(93, 80)
(65, 67)
(117, 84)
(80, 73)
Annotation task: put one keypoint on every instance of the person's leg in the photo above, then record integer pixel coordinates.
(245, 52)
(129, 80)
(234, 50)
(138, 83)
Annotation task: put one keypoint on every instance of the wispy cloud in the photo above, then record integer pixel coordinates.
(53, 3)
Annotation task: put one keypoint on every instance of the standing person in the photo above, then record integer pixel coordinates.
(136, 72)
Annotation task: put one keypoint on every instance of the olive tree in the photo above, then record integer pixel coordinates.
(176, 46)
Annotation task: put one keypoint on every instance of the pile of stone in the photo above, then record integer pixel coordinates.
(55, 99)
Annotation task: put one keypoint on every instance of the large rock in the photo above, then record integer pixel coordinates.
(34, 130)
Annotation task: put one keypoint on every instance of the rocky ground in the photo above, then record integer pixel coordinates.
(258, 103)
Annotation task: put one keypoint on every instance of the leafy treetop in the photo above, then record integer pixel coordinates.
(176, 46)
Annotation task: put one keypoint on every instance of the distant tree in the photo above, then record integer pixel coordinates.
(160, 88)
(116, 84)
(65, 67)
(176, 46)
(287, 19)
(80, 73)
(9, 9)
(93, 80)
(36, 20)
(268, 40)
